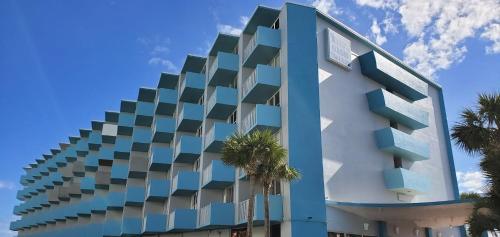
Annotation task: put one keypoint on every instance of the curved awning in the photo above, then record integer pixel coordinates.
(427, 214)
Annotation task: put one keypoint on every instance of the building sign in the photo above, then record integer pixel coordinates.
(338, 49)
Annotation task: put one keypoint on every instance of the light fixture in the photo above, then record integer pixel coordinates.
(396, 230)
(416, 231)
(366, 226)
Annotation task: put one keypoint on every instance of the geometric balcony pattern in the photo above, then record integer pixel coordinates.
(138, 171)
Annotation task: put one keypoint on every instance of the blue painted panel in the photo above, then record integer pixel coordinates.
(217, 135)
(218, 175)
(141, 139)
(392, 107)
(158, 189)
(161, 158)
(116, 200)
(163, 130)
(154, 223)
(264, 117)
(112, 228)
(95, 140)
(123, 146)
(167, 101)
(182, 220)
(70, 154)
(261, 85)
(87, 185)
(99, 204)
(190, 117)
(405, 181)
(135, 196)
(125, 123)
(307, 198)
(144, 113)
(188, 149)
(192, 87)
(91, 162)
(185, 183)
(119, 173)
(224, 69)
(387, 73)
(106, 153)
(131, 226)
(222, 103)
(275, 209)
(264, 45)
(404, 145)
(217, 215)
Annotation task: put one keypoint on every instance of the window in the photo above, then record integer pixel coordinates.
(235, 50)
(276, 24)
(201, 100)
(398, 162)
(275, 100)
(234, 83)
(228, 194)
(393, 124)
(232, 119)
(275, 62)
(199, 131)
(196, 165)
(194, 201)
(275, 187)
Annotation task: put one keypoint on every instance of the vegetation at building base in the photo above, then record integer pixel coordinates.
(478, 133)
(263, 159)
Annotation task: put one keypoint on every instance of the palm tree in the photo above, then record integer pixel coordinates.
(263, 159)
(478, 133)
(272, 167)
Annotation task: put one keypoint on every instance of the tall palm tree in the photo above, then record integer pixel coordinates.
(478, 133)
(272, 167)
(263, 159)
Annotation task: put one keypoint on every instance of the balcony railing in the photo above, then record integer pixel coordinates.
(223, 70)
(262, 47)
(182, 220)
(222, 103)
(275, 209)
(187, 149)
(261, 85)
(217, 135)
(190, 117)
(262, 117)
(217, 175)
(405, 181)
(192, 87)
(401, 144)
(185, 183)
(217, 215)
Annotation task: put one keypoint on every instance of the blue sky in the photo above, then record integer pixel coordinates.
(63, 63)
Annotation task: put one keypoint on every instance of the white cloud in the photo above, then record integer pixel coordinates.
(163, 62)
(5, 226)
(438, 29)
(233, 30)
(327, 6)
(377, 33)
(492, 32)
(470, 181)
(7, 185)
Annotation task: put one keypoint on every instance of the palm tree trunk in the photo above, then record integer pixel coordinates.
(251, 203)
(267, 222)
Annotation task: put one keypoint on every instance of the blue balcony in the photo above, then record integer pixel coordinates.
(131, 226)
(116, 200)
(405, 181)
(99, 204)
(224, 69)
(185, 183)
(141, 139)
(112, 228)
(222, 103)
(262, 117)
(261, 85)
(70, 154)
(167, 101)
(401, 144)
(161, 159)
(95, 140)
(123, 146)
(392, 76)
(106, 155)
(84, 208)
(217, 135)
(91, 162)
(126, 123)
(190, 117)
(217, 175)
(134, 196)
(217, 215)
(154, 223)
(163, 130)
(182, 220)
(188, 149)
(119, 173)
(192, 87)
(158, 189)
(144, 113)
(87, 185)
(263, 46)
(275, 210)
(394, 108)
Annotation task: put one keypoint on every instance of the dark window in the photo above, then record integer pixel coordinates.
(398, 162)
(393, 124)
(333, 234)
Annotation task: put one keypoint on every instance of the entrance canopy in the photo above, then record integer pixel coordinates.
(426, 214)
